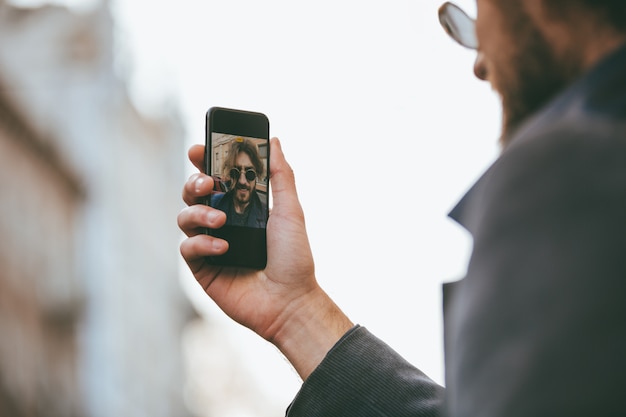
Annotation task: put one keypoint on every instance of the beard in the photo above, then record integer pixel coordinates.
(243, 194)
(530, 76)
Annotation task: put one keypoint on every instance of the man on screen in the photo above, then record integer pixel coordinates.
(242, 204)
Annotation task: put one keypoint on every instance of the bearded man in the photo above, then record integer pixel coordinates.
(537, 327)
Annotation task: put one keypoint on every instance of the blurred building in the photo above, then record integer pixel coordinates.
(91, 310)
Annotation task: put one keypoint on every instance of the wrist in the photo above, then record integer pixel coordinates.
(313, 326)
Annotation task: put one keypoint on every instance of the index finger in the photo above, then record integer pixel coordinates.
(196, 156)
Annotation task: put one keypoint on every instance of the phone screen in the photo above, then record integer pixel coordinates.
(237, 158)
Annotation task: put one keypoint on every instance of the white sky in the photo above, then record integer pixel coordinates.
(380, 117)
(382, 121)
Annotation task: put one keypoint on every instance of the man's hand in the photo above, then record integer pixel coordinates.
(283, 303)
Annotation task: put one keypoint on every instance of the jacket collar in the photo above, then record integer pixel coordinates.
(602, 90)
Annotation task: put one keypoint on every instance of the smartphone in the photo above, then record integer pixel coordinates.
(237, 156)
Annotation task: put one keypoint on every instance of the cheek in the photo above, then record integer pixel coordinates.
(496, 54)
(490, 28)
(482, 17)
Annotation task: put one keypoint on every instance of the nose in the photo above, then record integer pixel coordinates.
(480, 69)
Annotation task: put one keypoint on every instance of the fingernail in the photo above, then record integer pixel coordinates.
(219, 245)
(212, 216)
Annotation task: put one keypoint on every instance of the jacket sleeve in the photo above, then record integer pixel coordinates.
(362, 376)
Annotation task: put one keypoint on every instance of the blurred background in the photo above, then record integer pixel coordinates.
(380, 117)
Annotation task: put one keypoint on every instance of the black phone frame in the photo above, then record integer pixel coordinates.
(247, 246)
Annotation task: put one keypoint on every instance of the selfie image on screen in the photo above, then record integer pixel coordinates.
(239, 170)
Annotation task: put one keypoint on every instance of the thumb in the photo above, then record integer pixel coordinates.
(283, 183)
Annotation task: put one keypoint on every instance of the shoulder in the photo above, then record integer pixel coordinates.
(546, 269)
(558, 169)
(584, 149)
(217, 198)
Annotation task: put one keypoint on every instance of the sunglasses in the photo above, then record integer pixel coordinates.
(249, 173)
(458, 25)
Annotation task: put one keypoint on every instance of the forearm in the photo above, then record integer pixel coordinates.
(312, 326)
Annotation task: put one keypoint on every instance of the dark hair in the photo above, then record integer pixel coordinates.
(250, 148)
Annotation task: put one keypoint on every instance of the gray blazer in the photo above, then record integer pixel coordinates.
(538, 325)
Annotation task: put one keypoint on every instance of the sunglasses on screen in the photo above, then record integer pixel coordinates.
(249, 173)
